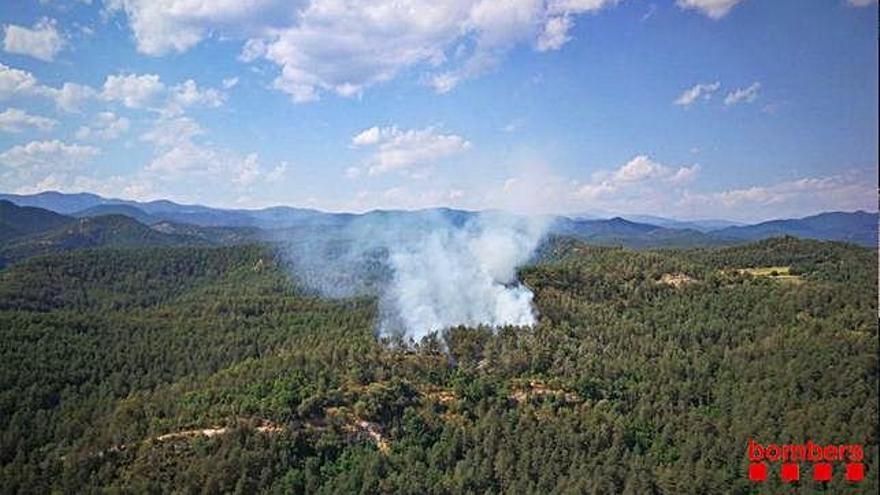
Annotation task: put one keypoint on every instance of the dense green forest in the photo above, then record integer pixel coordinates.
(206, 369)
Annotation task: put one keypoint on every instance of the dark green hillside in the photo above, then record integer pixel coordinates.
(20, 221)
(118, 209)
(89, 232)
(212, 235)
(195, 369)
(620, 232)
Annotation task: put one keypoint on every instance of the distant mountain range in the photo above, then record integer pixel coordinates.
(858, 228)
(51, 221)
(671, 223)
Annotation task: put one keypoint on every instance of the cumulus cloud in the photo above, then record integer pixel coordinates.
(743, 95)
(16, 83)
(560, 13)
(554, 34)
(71, 96)
(345, 46)
(132, 90)
(714, 9)
(188, 94)
(162, 26)
(47, 153)
(32, 163)
(136, 91)
(640, 171)
(200, 165)
(105, 125)
(396, 149)
(180, 158)
(147, 91)
(699, 91)
(847, 191)
(17, 120)
(42, 41)
(168, 132)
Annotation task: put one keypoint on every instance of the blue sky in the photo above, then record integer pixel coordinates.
(739, 109)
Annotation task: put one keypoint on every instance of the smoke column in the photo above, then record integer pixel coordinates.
(430, 270)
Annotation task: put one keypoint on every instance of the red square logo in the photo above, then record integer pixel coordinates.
(757, 471)
(822, 471)
(855, 471)
(790, 472)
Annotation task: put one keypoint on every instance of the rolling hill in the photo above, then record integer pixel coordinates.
(117, 209)
(857, 227)
(90, 232)
(20, 221)
(270, 223)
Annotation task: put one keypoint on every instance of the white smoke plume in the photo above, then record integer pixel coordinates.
(430, 270)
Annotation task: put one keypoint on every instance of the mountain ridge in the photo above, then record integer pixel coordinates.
(858, 227)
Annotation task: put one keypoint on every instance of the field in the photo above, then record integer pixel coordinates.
(781, 273)
(194, 369)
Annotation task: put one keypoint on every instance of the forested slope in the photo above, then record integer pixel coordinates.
(193, 368)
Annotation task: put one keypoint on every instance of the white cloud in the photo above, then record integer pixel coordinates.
(851, 190)
(253, 49)
(346, 46)
(162, 26)
(168, 132)
(16, 120)
(106, 125)
(637, 175)
(138, 91)
(684, 174)
(638, 169)
(698, 91)
(182, 163)
(188, 94)
(367, 137)
(17, 83)
(277, 173)
(71, 96)
(644, 186)
(147, 91)
(554, 34)
(200, 166)
(444, 83)
(133, 91)
(230, 82)
(715, 9)
(746, 95)
(396, 149)
(47, 155)
(42, 41)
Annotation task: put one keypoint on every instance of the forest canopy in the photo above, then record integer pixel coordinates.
(205, 369)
